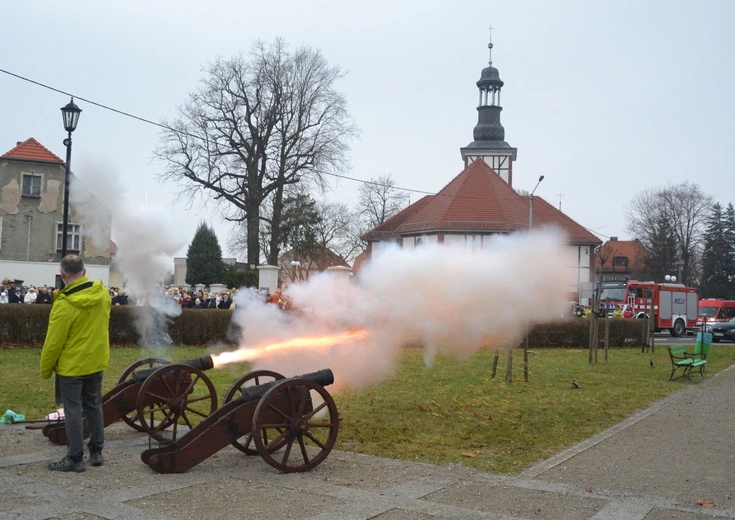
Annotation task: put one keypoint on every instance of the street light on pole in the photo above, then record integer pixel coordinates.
(70, 114)
(297, 267)
(530, 205)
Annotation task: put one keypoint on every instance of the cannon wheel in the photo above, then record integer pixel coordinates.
(177, 402)
(131, 419)
(258, 377)
(285, 413)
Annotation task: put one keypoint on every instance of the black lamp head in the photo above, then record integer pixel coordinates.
(70, 114)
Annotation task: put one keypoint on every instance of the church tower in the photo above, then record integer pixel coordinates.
(489, 135)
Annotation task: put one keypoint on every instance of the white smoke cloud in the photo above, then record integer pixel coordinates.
(444, 299)
(147, 236)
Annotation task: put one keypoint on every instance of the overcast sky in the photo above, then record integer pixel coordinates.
(603, 98)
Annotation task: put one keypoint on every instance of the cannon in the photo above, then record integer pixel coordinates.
(156, 398)
(291, 423)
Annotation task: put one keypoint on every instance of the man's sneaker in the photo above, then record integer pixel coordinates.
(66, 464)
(95, 458)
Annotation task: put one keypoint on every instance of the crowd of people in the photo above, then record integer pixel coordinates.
(192, 298)
(185, 296)
(13, 293)
(618, 311)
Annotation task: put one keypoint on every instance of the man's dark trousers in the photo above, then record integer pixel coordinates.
(79, 394)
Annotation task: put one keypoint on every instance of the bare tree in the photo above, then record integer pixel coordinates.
(670, 222)
(336, 229)
(380, 199)
(255, 126)
(688, 209)
(317, 233)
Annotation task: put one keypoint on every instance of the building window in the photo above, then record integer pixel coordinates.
(73, 237)
(620, 261)
(31, 185)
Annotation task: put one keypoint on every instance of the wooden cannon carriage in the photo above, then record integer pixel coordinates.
(155, 400)
(291, 423)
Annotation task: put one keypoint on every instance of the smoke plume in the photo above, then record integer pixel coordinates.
(146, 236)
(440, 298)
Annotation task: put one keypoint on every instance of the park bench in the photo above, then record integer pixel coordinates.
(701, 350)
(680, 358)
(690, 362)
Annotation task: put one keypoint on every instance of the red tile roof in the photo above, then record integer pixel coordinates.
(478, 200)
(32, 150)
(359, 260)
(631, 249)
(548, 214)
(389, 227)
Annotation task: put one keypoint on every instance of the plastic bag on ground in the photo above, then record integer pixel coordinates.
(11, 417)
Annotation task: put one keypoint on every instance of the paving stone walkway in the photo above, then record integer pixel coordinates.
(656, 465)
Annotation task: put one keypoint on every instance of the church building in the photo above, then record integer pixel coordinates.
(480, 202)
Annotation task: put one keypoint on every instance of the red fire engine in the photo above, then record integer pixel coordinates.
(674, 305)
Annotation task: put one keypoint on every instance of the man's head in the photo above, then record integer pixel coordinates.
(72, 268)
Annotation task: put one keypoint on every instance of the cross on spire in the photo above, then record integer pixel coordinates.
(490, 44)
(560, 195)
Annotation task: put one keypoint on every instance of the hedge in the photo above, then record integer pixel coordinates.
(25, 325)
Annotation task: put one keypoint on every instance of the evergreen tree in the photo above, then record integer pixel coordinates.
(300, 216)
(729, 225)
(204, 258)
(716, 258)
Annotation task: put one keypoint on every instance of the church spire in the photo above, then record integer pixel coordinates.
(489, 135)
(488, 125)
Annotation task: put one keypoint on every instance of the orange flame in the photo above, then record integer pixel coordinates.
(249, 354)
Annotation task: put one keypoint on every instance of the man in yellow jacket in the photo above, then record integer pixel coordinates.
(77, 348)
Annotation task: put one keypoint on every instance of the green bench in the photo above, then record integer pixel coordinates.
(690, 362)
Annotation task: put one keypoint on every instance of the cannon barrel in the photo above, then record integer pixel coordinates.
(201, 363)
(253, 393)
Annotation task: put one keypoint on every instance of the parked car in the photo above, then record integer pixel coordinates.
(722, 331)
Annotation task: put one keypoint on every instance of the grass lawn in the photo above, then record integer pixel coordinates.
(451, 413)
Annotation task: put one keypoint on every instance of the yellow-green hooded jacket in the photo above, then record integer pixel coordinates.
(78, 339)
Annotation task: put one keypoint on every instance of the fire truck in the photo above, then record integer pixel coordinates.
(612, 296)
(674, 305)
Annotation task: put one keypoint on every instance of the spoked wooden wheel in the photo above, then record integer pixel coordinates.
(289, 431)
(131, 418)
(256, 377)
(175, 395)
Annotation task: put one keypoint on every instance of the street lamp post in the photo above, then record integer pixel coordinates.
(530, 205)
(70, 114)
(297, 267)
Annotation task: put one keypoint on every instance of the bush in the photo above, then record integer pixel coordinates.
(203, 327)
(575, 333)
(236, 278)
(25, 325)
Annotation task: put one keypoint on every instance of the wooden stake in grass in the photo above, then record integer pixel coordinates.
(525, 359)
(509, 366)
(607, 335)
(495, 363)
